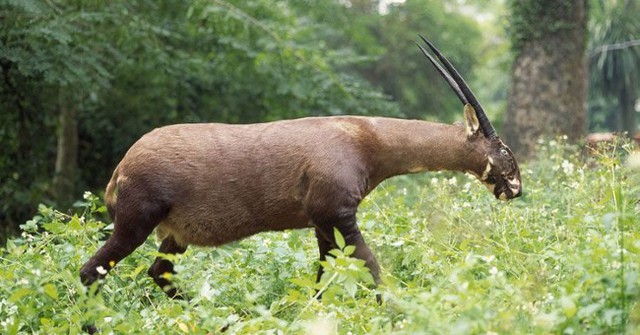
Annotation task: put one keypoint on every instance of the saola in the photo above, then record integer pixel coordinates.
(210, 184)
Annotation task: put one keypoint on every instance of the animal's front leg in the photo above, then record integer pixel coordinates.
(332, 204)
(324, 245)
(349, 229)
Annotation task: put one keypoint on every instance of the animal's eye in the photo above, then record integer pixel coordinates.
(504, 152)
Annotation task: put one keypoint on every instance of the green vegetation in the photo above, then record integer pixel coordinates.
(563, 259)
(614, 65)
(81, 80)
(96, 75)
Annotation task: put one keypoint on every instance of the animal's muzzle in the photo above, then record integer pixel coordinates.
(507, 193)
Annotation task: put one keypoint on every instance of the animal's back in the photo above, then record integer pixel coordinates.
(223, 182)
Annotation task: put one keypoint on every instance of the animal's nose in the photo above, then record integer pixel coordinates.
(518, 194)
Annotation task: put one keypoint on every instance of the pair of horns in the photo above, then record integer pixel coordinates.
(457, 83)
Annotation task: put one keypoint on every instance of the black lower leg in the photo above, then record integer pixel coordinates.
(117, 247)
(352, 236)
(163, 268)
(351, 233)
(138, 214)
(324, 245)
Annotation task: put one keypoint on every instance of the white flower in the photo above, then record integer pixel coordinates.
(467, 187)
(101, 270)
(633, 161)
(489, 258)
(567, 167)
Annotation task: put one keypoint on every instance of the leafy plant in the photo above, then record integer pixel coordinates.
(563, 259)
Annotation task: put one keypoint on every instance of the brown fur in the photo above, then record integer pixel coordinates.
(225, 182)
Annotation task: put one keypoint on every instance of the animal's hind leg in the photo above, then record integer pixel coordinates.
(324, 245)
(162, 266)
(132, 227)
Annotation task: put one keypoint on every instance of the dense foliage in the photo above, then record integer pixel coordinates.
(614, 65)
(112, 70)
(565, 258)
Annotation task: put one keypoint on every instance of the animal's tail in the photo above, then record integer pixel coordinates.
(111, 194)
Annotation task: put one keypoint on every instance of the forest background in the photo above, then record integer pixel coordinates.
(82, 80)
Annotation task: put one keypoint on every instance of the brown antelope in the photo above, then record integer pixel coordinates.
(210, 184)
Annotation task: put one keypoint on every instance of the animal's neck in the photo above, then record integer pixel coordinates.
(409, 146)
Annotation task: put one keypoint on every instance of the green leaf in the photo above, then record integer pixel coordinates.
(339, 239)
(75, 224)
(51, 291)
(304, 282)
(349, 250)
(19, 294)
(55, 227)
(351, 287)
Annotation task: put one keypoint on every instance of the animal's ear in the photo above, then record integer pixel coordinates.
(471, 122)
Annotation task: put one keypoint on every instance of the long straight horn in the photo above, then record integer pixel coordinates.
(452, 83)
(485, 124)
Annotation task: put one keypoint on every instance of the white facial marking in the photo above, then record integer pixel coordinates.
(487, 170)
(514, 185)
(514, 182)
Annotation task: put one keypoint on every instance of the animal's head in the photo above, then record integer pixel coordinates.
(501, 174)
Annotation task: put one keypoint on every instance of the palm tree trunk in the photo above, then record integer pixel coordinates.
(549, 76)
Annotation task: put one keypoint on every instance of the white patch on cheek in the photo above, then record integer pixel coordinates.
(514, 182)
(487, 170)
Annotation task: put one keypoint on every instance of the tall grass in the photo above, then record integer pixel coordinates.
(564, 259)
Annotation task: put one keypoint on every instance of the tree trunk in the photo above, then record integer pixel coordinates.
(67, 155)
(549, 77)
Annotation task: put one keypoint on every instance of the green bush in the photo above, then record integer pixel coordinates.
(563, 259)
